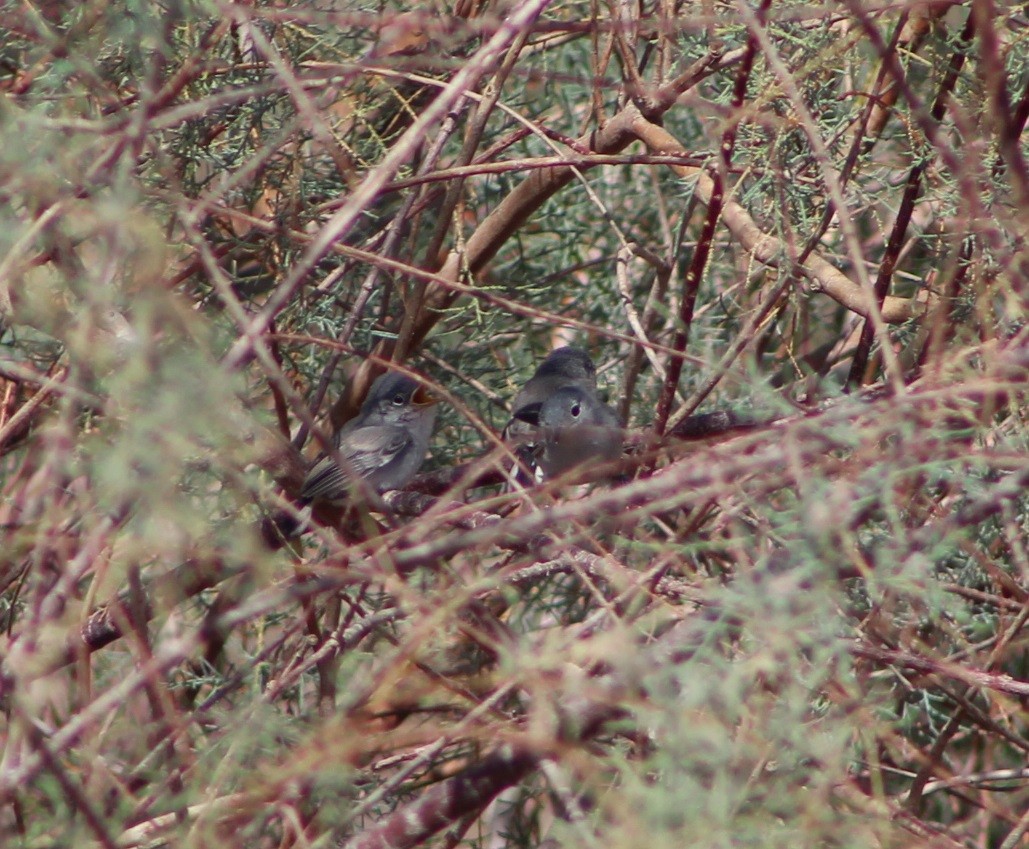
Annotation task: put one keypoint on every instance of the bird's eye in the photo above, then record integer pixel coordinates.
(398, 399)
(576, 410)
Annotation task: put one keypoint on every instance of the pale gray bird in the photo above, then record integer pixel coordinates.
(567, 367)
(383, 446)
(575, 428)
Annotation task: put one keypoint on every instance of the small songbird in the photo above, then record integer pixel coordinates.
(566, 367)
(575, 428)
(383, 446)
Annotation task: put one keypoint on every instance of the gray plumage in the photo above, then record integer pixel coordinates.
(575, 428)
(383, 446)
(563, 367)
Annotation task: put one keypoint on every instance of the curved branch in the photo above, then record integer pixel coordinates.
(822, 275)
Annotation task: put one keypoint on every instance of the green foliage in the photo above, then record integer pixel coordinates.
(803, 626)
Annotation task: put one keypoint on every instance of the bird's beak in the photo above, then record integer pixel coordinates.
(530, 414)
(423, 397)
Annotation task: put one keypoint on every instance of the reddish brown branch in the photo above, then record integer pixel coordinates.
(822, 275)
(941, 669)
(1004, 118)
(691, 281)
(912, 188)
(444, 803)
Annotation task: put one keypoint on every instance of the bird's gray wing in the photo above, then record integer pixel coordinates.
(363, 451)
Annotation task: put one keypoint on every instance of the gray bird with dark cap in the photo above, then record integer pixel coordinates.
(567, 367)
(563, 367)
(574, 428)
(382, 447)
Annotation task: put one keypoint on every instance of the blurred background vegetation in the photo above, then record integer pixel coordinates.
(800, 622)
